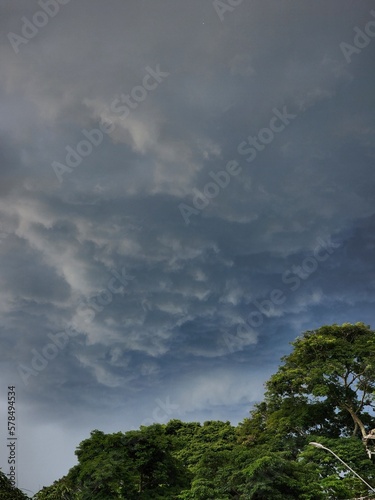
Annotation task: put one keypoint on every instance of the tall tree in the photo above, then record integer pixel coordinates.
(324, 390)
(326, 384)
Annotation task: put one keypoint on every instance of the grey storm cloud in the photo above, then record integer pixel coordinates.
(178, 339)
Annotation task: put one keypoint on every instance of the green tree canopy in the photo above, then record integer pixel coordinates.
(323, 391)
(326, 385)
(8, 491)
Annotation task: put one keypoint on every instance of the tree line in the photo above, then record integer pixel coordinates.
(323, 392)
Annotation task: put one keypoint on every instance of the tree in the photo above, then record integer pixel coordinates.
(191, 441)
(105, 469)
(8, 491)
(324, 390)
(206, 452)
(135, 465)
(62, 489)
(326, 385)
(157, 469)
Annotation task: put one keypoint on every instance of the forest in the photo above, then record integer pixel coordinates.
(323, 392)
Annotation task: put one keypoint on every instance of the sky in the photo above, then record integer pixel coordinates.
(185, 187)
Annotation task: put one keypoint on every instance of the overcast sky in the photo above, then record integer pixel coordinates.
(185, 188)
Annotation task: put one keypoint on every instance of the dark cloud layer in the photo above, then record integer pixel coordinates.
(171, 306)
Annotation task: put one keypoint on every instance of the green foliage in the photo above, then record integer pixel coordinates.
(335, 479)
(323, 391)
(104, 468)
(326, 385)
(277, 477)
(9, 492)
(205, 450)
(62, 489)
(193, 440)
